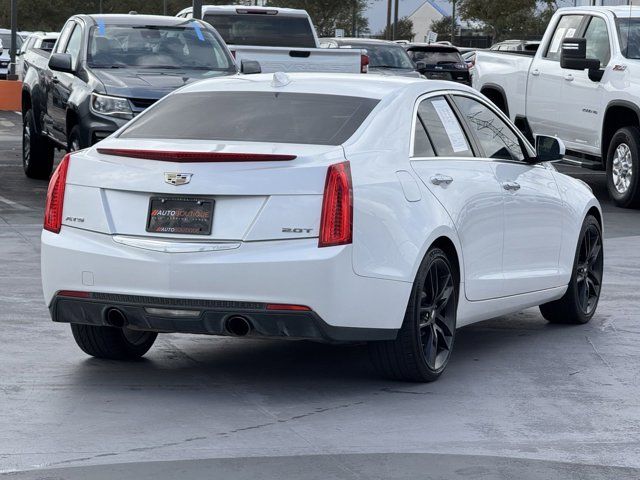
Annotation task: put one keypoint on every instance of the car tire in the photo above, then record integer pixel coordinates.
(111, 342)
(74, 142)
(623, 168)
(579, 303)
(37, 150)
(422, 349)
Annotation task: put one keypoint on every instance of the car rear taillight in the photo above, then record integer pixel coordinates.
(336, 222)
(364, 63)
(286, 306)
(55, 197)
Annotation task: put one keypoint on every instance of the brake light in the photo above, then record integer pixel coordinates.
(195, 157)
(74, 294)
(364, 63)
(55, 197)
(336, 221)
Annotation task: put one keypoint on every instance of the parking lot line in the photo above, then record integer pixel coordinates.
(13, 204)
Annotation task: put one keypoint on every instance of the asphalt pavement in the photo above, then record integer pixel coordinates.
(520, 399)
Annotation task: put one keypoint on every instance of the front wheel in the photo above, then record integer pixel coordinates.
(579, 303)
(111, 342)
(623, 167)
(422, 349)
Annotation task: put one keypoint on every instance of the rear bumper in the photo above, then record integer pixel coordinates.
(294, 272)
(206, 317)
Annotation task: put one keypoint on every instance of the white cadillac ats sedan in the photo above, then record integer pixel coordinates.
(327, 207)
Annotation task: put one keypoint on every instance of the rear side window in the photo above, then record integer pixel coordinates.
(443, 128)
(254, 117)
(263, 30)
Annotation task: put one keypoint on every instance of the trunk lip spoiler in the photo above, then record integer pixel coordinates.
(195, 157)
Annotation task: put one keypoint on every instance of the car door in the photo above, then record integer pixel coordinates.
(444, 158)
(585, 97)
(546, 108)
(61, 86)
(533, 208)
(51, 113)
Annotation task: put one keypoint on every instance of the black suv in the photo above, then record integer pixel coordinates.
(439, 62)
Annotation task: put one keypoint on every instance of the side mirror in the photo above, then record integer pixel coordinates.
(573, 56)
(421, 65)
(548, 149)
(250, 67)
(61, 62)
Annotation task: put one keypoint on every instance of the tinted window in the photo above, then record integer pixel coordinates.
(189, 46)
(5, 39)
(495, 137)
(436, 57)
(263, 30)
(254, 117)
(421, 144)
(567, 28)
(443, 128)
(47, 45)
(386, 56)
(64, 36)
(598, 41)
(629, 33)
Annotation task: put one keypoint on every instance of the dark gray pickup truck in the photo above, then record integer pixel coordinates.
(104, 70)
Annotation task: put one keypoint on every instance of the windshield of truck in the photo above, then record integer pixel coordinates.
(185, 47)
(386, 56)
(268, 117)
(436, 57)
(263, 30)
(5, 40)
(629, 32)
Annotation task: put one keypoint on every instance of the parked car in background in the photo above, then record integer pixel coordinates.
(516, 46)
(582, 86)
(439, 62)
(5, 56)
(106, 69)
(385, 58)
(40, 40)
(283, 206)
(280, 39)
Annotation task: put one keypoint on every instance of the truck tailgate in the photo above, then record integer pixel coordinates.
(284, 59)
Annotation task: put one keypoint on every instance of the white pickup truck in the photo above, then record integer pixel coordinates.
(582, 86)
(280, 39)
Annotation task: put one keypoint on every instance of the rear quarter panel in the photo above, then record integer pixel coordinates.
(507, 72)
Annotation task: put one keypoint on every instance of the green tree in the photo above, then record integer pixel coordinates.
(442, 27)
(327, 15)
(507, 18)
(404, 30)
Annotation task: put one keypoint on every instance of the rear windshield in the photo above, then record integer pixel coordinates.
(5, 39)
(439, 57)
(386, 56)
(263, 30)
(266, 117)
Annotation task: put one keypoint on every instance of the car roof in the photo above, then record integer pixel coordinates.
(624, 11)
(293, 12)
(368, 86)
(134, 19)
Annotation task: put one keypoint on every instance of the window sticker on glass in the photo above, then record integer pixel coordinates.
(451, 126)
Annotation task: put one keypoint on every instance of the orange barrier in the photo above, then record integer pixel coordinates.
(10, 94)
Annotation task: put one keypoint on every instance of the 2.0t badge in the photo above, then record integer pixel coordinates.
(177, 179)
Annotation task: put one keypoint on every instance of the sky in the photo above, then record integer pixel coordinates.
(377, 12)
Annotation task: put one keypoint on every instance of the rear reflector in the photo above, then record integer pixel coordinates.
(74, 293)
(286, 306)
(55, 197)
(336, 222)
(195, 157)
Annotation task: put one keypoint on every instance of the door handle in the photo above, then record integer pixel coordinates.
(568, 77)
(439, 179)
(535, 72)
(55, 80)
(511, 186)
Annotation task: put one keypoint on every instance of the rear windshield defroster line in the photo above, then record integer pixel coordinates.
(266, 117)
